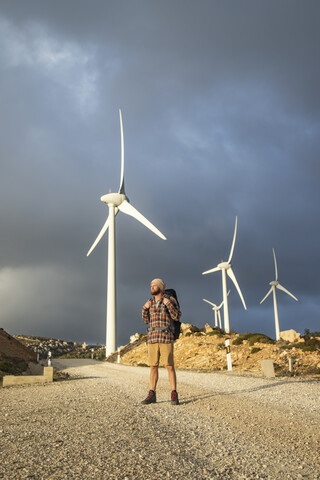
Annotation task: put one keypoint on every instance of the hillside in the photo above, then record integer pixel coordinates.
(14, 356)
(204, 349)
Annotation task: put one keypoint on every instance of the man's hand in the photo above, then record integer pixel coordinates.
(166, 301)
(147, 304)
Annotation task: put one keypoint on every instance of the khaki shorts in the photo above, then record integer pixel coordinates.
(163, 350)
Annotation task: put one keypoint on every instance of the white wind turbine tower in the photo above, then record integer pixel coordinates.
(216, 309)
(275, 284)
(117, 201)
(225, 267)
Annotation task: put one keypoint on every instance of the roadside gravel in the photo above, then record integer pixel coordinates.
(93, 426)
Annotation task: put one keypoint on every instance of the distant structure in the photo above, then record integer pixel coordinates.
(225, 267)
(275, 284)
(216, 309)
(117, 201)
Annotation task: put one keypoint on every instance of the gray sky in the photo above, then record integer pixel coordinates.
(220, 104)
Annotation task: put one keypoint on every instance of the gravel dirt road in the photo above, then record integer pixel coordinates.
(93, 426)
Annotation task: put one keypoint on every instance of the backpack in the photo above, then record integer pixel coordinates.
(175, 326)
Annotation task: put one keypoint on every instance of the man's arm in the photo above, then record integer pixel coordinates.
(146, 312)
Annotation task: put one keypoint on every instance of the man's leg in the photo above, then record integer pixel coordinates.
(154, 374)
(153, 354)
(172, 377)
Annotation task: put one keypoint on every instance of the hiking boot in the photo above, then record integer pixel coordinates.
(151, 398)
(174, 398)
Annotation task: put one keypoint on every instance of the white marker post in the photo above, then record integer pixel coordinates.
(118, 359)
(49, 358)
(291, 365)
(228, 350)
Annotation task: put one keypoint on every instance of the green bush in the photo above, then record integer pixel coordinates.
(305, 347)
(255, 349)
(260, 338)
(312, 342)
(220, 346)
(11, 369)
(6, 367)
(307, 333)
(214, 332)
(238, 341)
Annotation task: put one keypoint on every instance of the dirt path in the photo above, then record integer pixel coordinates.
(93, 426)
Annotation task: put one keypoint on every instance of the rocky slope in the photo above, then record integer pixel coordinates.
(204, 349)
(57, 347)
(14, 356)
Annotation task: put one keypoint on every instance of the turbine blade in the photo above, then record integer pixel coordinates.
(266, 295)
(213, 304)
(215, 269)
(233, 278)
(275, 264)
(234, 240)
(286, 291)
(223, 301)
(101, 233)
(97, 240)
(127, 208)
(121, 188)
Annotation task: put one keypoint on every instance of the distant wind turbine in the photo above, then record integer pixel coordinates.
(275, 284)
(226, 267)
(216, 309)
(117, 201)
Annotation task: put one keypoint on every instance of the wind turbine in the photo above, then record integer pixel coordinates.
(216, 309)
(275, 284)
(116, 201)
(225, 267)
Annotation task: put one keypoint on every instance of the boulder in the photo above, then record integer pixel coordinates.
(290, 336)
(188, 328)
(134, 337)
(207, 328)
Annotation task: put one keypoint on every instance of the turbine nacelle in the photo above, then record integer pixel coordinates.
(113, 199)
(224, 265)
(274, 283)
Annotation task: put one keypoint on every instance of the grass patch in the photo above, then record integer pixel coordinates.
(9, 368)
(215, 332)
(252, 339)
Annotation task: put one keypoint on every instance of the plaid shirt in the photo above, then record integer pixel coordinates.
(160, 317)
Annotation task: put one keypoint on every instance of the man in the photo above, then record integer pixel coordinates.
(158, 313)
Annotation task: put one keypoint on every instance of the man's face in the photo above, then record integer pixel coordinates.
(155, 290)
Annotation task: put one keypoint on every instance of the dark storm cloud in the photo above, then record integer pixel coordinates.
(220, 104)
